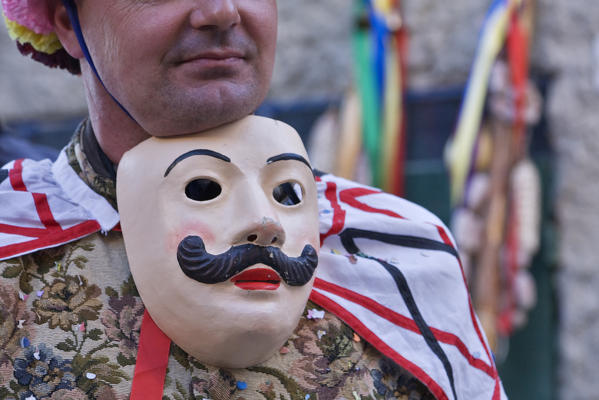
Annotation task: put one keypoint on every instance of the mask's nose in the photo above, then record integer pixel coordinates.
(255, 216)
(264, 232)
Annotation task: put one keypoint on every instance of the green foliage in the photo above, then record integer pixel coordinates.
(180, 356)
(80, 261)
(25, 283)
(181, 392)
(4, 392)
(128, 288)
(125, 361)
(12, 271)
(86, 245)
(110, 292)
(294, 390)
(15, 386)
(101, 367)
(67, 345)
(95, 334)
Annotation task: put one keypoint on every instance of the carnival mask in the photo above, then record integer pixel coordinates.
(221, 233)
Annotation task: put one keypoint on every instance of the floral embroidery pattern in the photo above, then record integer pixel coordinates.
(68, 301)
(42, 373)
(69, 394)
(62, 300)
(122, 321)
(68, 332)
(322, 360)
(15, 320)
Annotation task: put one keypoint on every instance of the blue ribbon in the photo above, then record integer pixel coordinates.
(71, 8)
(380, 33)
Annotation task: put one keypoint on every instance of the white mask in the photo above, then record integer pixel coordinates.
(245, 189)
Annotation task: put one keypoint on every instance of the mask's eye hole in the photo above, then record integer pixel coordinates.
(202, 190)
(288, 193)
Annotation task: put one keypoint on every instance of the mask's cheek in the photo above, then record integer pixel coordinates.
(194, 228)
(304, 230)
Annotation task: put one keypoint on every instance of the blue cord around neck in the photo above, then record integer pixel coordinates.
(71, 8)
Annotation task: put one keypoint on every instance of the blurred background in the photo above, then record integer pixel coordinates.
(483, 111)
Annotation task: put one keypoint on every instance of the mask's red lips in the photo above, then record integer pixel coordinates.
(257, 279)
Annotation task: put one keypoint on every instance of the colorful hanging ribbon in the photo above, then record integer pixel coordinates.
(380, 49)
(367, 85)
(462, 147)
(518, 60)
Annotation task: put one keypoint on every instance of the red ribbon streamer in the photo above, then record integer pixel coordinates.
(517, 46)
(152, 361)
(398, 183)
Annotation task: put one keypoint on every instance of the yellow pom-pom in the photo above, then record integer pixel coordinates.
(48, 44)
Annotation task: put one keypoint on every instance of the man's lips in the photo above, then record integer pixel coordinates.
(214, 57)
(257, 279)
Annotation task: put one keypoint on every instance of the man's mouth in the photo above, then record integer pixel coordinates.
(214, 58)
(257, 279)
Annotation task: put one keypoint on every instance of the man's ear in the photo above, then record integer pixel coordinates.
(64, 29)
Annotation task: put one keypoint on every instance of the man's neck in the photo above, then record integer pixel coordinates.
(94, 154)
(116, 137)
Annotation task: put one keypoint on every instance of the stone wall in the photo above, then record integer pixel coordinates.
(314, 50)
(314, 61)
(29, 89)
(567, 45)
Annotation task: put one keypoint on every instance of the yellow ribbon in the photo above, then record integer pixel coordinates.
(459, 154)
(392, 114)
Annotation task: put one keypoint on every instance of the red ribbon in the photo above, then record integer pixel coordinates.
(517, 47)
(152, 361)
(398, 184)
(396, 181)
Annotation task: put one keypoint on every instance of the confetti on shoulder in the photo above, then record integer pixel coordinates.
(315, 314)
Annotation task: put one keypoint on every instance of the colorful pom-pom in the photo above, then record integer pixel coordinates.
(60, 59)
(48, 44)
(28, 23)
(33, 14)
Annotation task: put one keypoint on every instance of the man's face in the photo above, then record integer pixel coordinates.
(183, 66)
(221, 232)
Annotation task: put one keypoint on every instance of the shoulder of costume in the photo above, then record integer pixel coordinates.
(390, 269)
(46, 204)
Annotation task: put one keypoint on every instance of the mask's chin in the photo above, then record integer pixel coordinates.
(241, 341)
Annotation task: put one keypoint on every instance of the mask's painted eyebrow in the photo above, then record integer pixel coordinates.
(288, 156)
(197, 152)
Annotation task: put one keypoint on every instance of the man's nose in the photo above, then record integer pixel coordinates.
(264, 232)
(219, 15)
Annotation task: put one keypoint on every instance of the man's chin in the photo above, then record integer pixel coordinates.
(197, 109)
(198, 122)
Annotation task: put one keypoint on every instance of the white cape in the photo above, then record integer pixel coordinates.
(387, 267)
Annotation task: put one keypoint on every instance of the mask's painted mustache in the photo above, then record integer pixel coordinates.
(204, 267)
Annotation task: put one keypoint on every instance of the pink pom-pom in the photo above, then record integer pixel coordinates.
(32, 14)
